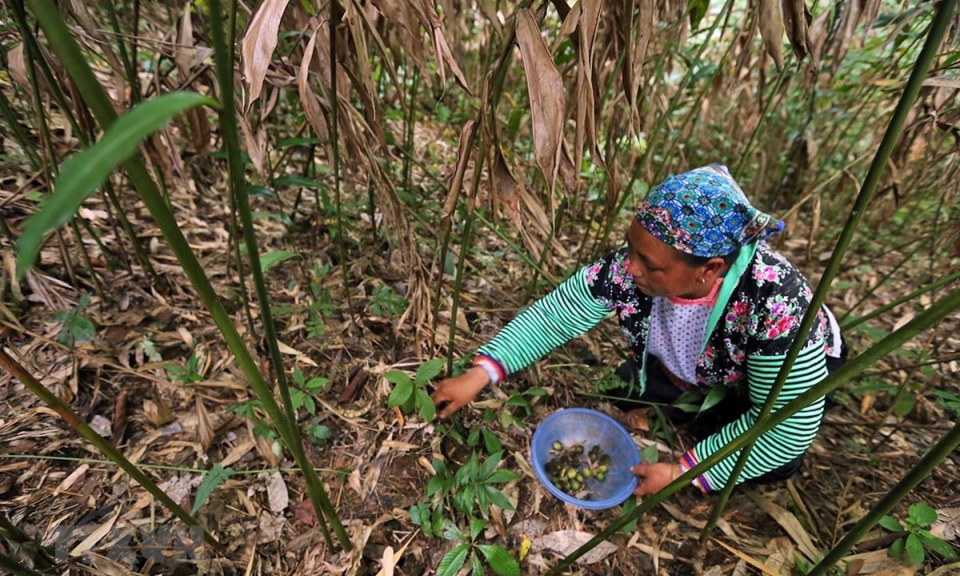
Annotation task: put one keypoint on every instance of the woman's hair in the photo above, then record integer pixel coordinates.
(694, 261)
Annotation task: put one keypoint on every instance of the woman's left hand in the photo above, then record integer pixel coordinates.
(654, 477)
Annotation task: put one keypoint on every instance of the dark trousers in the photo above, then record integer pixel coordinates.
(661, 390)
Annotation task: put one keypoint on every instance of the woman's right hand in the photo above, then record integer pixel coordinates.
(460, 390)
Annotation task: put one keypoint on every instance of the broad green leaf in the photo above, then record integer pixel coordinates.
(498, 498)
(915, 549)
(896, 549)
(299, 181)
(629, 506)
(452, 532)
(419, 514)
(400, 394)
(535, 391)
(698, 9)
(717, 393)
(429, 370)
(83, 172)
(476, 527)
(271, 259)
(396, 377)
(938, 545)
(904, 403)
(426, 406)
(214, 478)
(437, 521)
(489, 465)
(891, 524)
(922, 514)
(501, 476)
(434, 485)
(491, 442)
(500, 560)
(474, 437)
(317, 384)
(451, 563)
(477, 569)
(650, 454)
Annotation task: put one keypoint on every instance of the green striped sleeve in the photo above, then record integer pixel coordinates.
(563, 314)
(785, 442)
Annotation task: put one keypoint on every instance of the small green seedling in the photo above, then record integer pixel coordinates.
(499, 559)
(411, 394)
(75, 326)
(918, 540)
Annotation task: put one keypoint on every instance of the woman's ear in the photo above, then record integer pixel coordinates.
(713, 269)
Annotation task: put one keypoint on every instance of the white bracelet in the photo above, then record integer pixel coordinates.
(491, 370)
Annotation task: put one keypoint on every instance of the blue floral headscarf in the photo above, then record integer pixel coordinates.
(704, 212)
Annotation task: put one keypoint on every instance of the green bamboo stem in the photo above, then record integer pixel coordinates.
(101, 443)
(85, 139)
(851, 369)
(129, 65)
(71, 56)
(335, 147)
(461, 263)
(923, 468)
(877, 167)
(410, 123)
(905, 298)
(228, 121)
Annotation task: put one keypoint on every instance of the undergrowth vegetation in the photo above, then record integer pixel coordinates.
(304, 214)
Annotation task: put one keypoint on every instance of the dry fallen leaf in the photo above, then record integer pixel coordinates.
(788, 522)
(796, 18)
(277, 494)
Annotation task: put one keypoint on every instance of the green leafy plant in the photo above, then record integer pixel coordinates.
(410, 394)
(918, 539)
(211, 481)
(521, 401)
(473, 485)
(188, 373)
(386, 302)
(497, 557)
(75, 326)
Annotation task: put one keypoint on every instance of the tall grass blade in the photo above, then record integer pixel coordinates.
(83, 173)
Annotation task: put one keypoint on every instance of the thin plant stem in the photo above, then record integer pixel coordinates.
(882, 281)
(763, 116)
(905, 298)
(129, 65)
(335, 146)
(101, 443)
(228, 120)
(851, 369)
(923, 468)
(410, 123)
(877, 167)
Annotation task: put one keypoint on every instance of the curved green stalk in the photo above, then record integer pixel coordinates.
(947, 444)
(101, 443)
(939, 310)
(763, 116)
(877, 167)
(335, 146)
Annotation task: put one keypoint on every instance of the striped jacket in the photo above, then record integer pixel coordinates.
(761, 302)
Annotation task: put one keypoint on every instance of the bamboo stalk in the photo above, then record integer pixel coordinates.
(101, 443)
(228, 121)
(784, 74)
(851, 369)
(877, 167)
(940, 451)
(129, 65)
(71, 55)
(335, 146)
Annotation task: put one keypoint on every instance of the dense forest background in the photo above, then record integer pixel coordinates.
(240, 239)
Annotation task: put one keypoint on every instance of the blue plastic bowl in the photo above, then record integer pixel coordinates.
(573, 426)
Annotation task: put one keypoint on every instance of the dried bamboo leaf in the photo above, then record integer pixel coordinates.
(506, 187)
(354, 20)
(205, 431)
(308, 98)
(586, 104)
(818, 36)
(258, 44)
(569, 25)
(490, 11)
(184, 52)
(636, 53)
(797, 19)
(547, 101)
(771, 29)
(18, 66)
(463, 158)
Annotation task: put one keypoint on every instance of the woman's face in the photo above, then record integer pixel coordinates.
(659, 270)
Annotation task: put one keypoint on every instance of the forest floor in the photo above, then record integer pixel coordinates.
(132, 379)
